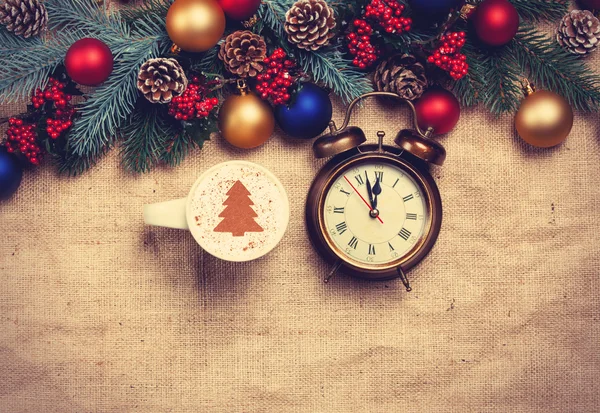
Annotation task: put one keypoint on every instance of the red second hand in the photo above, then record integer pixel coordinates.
(361, 197)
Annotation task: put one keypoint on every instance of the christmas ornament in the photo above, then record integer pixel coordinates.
(401, 74)
(433, 6)
(308, 114)
(275, 83)
(590, 4)
(544, 119)
(438, 109)
(374, 210)
(237, 211)
(194, 103)
(10, 174)
(448, 57)
(161, 79)
(579, 32)
(24, 17)
(496, 22)
(309, 24)
(243, 53)
(21, 138)
(239, 9)
(245, 121)
(195, 25)
(89, 62)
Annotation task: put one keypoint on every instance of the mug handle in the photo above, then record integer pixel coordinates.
(170, 214)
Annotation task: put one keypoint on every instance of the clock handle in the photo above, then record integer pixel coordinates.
(425, 134)
(404, 278)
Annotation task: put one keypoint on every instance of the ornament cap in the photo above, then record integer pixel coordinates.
(338, 142)
(423, 148)
(528, 88)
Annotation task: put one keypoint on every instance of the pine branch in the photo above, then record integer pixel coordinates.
(146, 133)
(85, 15)
(552, 68)
(467, 89)
(541, 10)
(154, 8)
(27, 63)
(111, 103)
(326, 66)
(500, 91)
(194, 135)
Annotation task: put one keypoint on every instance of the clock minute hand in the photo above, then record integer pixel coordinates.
(370, 191)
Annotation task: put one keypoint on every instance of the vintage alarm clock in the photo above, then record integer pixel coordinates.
(374, 211)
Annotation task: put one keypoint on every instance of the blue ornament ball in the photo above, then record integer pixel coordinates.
(308, 113)
(434, 6)
(11, 173)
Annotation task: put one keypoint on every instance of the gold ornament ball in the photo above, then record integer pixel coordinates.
(544, 119)
(246, 121)
(195, 25)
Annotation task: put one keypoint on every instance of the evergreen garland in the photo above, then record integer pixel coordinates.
(149, 136)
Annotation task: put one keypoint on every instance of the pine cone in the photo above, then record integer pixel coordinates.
(160, 80)
(309, 24)
(579, 32)
(243, 53)
(401, 74)
(24, 17)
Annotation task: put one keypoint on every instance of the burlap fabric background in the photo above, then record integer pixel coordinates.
(99, 313)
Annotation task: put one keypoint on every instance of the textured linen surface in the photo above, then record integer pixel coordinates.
(99, 313)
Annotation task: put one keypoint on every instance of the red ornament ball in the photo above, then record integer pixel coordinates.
(239, 9)
(590, 4)
(496, 22)
(89, 62)
(438, 109)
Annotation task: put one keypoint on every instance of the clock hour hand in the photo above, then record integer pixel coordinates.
(376, 191)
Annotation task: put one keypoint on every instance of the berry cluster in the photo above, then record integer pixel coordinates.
(64, 111)
(275, 82)
(448, 56)
(193, 103)
(365, 54)
(22, 137)
(388, 14)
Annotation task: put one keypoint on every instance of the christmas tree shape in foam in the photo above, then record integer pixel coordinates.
(238, 216)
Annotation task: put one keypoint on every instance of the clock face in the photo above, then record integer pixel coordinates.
(374, 213)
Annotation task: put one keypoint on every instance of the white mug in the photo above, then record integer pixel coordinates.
(237, 211)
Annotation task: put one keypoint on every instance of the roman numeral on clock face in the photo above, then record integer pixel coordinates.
(379, 175)
(345, 192)
(341, 227)
(396, 183)
(337, 210)
(359, 179)
(405, 234)
(408, 198)
(353, 243)
(412, 217)
(371, 249)
(391, 247)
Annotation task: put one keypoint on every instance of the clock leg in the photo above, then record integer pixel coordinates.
(333, 271)
(404, 278)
